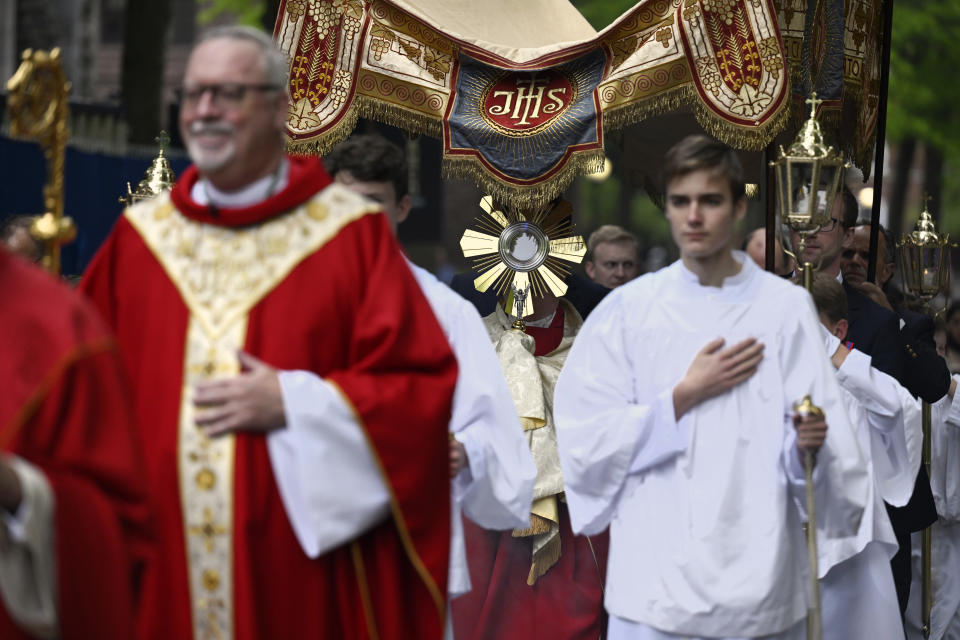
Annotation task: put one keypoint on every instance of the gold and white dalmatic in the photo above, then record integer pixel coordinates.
(705, 512)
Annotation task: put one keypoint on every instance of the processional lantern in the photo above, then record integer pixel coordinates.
(808, 176)
(38, 108)
(924, 258)
(523, 255)
(158, 177)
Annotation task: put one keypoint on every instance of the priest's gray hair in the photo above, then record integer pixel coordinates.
(276, 68)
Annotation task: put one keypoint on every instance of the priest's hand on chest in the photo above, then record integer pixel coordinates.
(716, 370)
(249, 401)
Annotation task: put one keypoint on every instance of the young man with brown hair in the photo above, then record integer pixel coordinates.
(676, 429)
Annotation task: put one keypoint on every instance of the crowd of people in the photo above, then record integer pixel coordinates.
(258, 419)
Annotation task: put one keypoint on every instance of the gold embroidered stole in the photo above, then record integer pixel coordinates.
(221, 273)
(532, 380)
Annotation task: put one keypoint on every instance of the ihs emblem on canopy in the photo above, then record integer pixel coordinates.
(523, 254)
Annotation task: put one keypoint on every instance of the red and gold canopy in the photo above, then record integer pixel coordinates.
(522, 93)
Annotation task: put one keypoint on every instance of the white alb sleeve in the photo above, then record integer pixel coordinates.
(879, 395)
(27, 555)
(604, 432)
(328, 478)
(496, 490)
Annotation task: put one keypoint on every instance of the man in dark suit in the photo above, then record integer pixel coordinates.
(925, 373)
(873, 330)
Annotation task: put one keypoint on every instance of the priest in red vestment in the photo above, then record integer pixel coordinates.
(287, 505)
(72, 513)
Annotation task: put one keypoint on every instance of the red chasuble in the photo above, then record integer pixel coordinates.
(63, 408)
(311, 279)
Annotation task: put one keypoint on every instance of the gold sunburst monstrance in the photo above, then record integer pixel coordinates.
(523, 253)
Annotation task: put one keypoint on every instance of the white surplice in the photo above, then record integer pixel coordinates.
(705, 512)
(858, 595)
(945, 557)
(496, 489)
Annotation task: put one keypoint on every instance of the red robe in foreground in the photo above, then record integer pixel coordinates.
(63, 409)
(566, 602)
(311, 279)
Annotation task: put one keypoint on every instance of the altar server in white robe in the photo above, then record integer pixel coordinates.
(858, 593)
(676, 429)
(492, 469)
(945, 542)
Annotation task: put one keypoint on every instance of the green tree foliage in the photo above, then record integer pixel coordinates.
(924, 93)
(248, 12)
(600, 13)
(922, 104)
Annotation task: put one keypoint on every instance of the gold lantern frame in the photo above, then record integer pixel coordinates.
(808, 176)
(924, 260)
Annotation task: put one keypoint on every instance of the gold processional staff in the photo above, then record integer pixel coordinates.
(808, 176)
(38, 108)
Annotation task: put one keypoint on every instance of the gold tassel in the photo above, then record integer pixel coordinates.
(538, 526)
(544, 559)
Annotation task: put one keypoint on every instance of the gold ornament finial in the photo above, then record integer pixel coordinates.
(158, 177)
(814, 102)
(806, 408)
(924, 233)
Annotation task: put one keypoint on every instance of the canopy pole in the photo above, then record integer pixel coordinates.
(880, 140)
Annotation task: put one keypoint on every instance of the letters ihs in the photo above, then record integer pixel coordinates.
(527, 100)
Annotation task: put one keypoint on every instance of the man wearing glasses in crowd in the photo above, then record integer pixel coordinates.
(307, 497)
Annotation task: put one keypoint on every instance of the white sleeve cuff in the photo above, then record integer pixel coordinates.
(28, 561)
(326, 472)
(953, 413)
(474, 467)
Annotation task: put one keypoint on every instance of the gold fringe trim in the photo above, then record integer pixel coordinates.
(752, 138)
(323, 142)
(538, 526)
(411, 120)
(544, 559)
(524, 197)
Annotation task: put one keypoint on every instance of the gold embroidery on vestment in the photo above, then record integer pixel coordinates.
(221, 273)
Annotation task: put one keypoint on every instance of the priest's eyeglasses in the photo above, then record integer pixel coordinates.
(221, 95)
